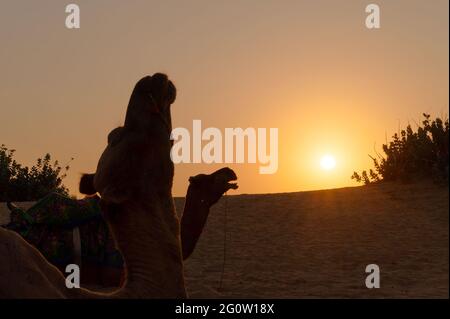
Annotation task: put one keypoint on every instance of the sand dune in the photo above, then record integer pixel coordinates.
(317, 244)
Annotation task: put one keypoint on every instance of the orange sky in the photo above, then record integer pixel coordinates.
(310, 68)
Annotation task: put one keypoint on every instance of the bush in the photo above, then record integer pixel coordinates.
(412, 155)
(20, 183)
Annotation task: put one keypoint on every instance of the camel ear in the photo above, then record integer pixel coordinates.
(192, 180)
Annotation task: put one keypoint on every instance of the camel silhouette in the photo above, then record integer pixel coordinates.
(134, 179)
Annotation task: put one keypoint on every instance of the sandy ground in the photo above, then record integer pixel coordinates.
(317, 244)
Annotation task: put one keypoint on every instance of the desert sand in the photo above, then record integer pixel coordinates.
(317, 244)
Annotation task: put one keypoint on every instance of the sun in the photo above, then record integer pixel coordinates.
(327, 162)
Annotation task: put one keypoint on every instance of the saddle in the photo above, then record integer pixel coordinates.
(69, 231)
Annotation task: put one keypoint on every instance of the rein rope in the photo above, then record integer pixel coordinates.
(224, 241)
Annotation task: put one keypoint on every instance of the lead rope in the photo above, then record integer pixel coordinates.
(224, 241)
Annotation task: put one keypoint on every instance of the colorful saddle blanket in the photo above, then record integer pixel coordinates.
(48, 226)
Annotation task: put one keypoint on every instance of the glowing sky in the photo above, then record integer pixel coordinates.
(310, 68)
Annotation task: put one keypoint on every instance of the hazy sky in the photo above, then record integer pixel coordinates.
(310, 68)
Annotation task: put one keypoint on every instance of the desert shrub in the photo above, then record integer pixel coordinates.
(21, 183)
(412, 155)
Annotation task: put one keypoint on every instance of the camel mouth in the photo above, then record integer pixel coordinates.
(231, 178)
(228, 176)
(233, 185)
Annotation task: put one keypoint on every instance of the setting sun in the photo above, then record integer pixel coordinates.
(327, 162)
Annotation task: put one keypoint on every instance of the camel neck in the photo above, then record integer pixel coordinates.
(148, 238)
(195, 214)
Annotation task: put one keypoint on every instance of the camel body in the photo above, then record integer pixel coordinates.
(134, 179)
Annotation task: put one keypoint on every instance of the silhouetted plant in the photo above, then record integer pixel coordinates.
(412, 155)
(21, 183)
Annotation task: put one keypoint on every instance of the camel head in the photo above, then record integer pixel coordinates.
(137, 161)
(210, 188)
(151, 98)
